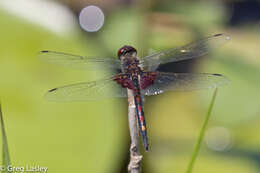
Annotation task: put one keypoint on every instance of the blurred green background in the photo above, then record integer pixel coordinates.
(94, 136)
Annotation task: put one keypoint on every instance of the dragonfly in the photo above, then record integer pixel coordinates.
(140, 75)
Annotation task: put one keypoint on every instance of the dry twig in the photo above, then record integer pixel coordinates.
(135, 156)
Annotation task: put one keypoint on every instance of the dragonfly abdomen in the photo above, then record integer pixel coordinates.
(141, 120)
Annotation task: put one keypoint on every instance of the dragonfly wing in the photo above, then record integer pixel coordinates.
(87, 91)
(192, 50)
(79, 62)
(183, 82)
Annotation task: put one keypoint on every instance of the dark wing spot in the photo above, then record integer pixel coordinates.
(44, 51)
(54, 89)
(216, 35)
(217, 74)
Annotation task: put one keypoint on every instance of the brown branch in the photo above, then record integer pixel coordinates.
(134, 165)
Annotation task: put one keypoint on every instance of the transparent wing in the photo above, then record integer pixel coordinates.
(79, 62)
(106, 88)
(183, 82)
(192, 50)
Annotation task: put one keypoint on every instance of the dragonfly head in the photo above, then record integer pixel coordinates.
(126, 50)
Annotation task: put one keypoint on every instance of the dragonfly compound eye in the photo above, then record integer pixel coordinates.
(125, 49)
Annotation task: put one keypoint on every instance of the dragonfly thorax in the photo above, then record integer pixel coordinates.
(130, 65)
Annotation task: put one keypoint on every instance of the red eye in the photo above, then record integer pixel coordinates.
(120, 52)
(125, 49)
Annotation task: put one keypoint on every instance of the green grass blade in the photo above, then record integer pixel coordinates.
(201, 135)
(6, 157)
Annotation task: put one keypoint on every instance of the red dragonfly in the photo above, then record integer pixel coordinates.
(137, 74)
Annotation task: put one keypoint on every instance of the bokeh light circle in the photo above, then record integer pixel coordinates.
(218, 138)
(91, 18)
